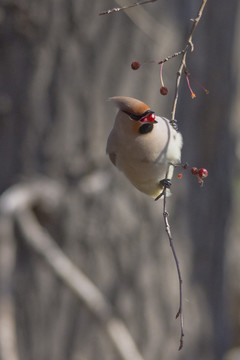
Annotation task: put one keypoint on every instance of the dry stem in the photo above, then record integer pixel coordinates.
(165, 213)
(107, 12)
(184, 52)
(171, 56)
(169, 234)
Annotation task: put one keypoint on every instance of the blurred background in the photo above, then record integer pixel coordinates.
(59, 63)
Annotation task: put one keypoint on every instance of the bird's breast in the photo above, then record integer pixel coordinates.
(144, 157)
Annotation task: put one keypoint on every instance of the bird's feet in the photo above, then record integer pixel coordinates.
(166, 184)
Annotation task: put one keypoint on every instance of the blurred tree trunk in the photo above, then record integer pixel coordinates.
(59, 63)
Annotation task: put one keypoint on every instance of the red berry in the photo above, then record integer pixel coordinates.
(151, 117)
(135, 65)
(163, 90)
(203, 173)
(179, 176)
(194, 171)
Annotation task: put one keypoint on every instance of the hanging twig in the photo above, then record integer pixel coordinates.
(165, 213)
(185, 51)
(169, 234)
(107, 12)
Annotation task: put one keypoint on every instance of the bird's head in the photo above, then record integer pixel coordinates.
(134, 110)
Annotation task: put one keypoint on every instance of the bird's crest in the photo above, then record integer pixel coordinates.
(129, 105)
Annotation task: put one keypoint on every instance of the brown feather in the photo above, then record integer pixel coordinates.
(133, 106)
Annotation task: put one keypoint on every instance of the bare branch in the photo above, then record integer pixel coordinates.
(165, 213)
(169, 234)
(185, 51)
(107, 12)
(182, 66)
(171, 56)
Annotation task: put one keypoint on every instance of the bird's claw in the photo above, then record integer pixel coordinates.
(166, 183)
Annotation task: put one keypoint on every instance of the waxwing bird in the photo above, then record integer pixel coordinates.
(143, 145)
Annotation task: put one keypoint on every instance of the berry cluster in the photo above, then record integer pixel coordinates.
(200, 173)
(135, 65)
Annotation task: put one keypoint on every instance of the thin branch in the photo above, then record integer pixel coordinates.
(107, 12)
(165, 213)
(171, 56)
(169, 234)
(185, 51)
